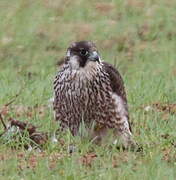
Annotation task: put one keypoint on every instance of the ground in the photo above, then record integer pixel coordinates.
(138, 37)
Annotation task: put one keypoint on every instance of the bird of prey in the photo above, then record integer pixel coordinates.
(90, 91)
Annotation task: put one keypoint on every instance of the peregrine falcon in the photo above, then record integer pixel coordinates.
(90, 91)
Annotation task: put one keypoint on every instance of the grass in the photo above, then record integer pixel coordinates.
(138, 36)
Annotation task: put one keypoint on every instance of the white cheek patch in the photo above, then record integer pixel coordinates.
(74, 62)
(68, 53)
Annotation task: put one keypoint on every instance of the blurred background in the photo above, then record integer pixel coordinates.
(138, 37)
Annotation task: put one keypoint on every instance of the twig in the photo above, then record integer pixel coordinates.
(2, 121)
(14, 98)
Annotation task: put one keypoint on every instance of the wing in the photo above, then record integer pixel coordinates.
(117, 84)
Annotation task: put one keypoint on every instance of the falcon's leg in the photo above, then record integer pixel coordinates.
(124, 137)
(119, 136)
(99, 134)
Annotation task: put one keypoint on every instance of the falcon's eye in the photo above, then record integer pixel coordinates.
(83, 52)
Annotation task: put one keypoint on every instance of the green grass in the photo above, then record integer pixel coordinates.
(138, 36)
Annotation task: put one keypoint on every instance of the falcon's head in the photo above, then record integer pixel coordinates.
(81, 54)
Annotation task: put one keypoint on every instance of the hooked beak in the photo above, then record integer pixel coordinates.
(94, 56)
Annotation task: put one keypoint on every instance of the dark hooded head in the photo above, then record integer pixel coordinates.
(79, 54)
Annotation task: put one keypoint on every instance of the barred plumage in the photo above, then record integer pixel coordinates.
(91, 91)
